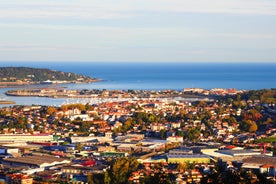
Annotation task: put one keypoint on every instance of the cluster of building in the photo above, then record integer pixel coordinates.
(214, 91)
(62, 93)
(68, 144)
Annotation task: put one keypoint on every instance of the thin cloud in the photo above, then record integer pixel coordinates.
(25, 46)
(137, 30)
(98, 9)
(264, 7)
(64, 10)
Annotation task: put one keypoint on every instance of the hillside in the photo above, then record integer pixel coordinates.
(38, 75)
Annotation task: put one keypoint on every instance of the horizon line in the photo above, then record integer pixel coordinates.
(129, 62)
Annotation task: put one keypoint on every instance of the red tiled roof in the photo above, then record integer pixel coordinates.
(266, 166)
(230, 147)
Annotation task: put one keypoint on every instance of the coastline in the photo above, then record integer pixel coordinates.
(6, 102)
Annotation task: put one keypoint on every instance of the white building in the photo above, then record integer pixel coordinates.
(9, 138)
(175, 139)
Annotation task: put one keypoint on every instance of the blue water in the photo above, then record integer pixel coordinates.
(122, 75)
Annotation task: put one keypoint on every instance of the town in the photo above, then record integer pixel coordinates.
(61, 92)
(230, 139)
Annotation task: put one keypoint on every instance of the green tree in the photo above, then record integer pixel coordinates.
(193, 134)
(107, 178)
(51, 110)
(201, 104)
(162, 134)
(232, 120)
(159, 177)
(179, 133)
(122, 168)
(90, 178)
(253, 127)
(79, 147)
(249, 126)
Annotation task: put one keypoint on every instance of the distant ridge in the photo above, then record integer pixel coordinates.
(27, 75)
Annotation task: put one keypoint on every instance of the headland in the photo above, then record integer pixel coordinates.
(20, 76)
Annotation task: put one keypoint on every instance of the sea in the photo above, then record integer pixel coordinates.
(153, 76)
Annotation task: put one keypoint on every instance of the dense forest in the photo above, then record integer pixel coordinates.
(13, 74)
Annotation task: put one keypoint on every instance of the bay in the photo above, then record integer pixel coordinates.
(156, 76)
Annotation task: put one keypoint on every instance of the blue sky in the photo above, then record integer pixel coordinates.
(138, 30)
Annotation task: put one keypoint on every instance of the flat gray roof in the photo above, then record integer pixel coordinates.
(35, 159)
(188, 156)
(262, 159)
